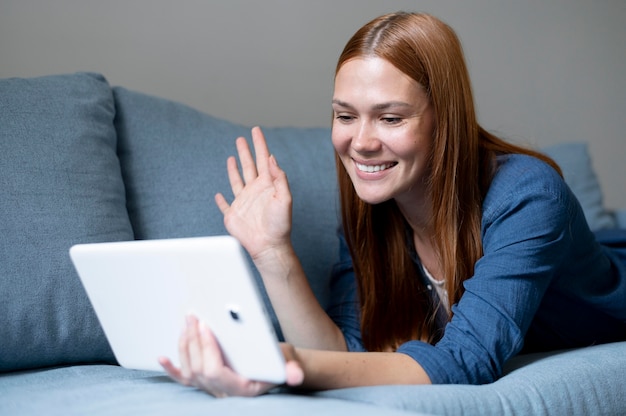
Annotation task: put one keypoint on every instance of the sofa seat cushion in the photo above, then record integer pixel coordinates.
(582, 382)
(579, 382)
(108, 390)
(60, 185)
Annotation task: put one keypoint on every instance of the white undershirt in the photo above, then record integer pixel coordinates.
(441, 290)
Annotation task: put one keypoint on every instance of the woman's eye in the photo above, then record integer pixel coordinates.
(392, 120)
(343, 118)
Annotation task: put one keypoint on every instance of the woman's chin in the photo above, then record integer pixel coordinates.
(372, 199)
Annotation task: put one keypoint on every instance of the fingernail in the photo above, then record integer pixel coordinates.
(204, 330)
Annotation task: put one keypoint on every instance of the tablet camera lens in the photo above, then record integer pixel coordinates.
(235, 315)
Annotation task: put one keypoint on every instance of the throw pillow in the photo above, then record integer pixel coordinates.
(60, 184)
(575, 162)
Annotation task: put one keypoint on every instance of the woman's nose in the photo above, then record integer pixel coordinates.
(365, 139)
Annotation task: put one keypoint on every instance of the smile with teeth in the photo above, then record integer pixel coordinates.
(373, 168)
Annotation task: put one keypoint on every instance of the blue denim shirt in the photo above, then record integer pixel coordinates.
(544, 282)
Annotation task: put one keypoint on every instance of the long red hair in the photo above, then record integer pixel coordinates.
(395, 307)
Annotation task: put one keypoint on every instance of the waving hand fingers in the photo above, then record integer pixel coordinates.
(260, 215)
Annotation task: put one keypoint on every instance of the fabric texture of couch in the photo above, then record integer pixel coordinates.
(81, 161)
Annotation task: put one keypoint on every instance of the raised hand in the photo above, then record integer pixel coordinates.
(260, 215)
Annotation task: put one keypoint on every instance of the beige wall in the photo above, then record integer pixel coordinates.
(544, 72)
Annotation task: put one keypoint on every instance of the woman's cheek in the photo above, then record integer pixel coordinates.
(340, 138)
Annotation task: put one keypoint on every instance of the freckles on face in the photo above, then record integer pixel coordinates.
(382, 129)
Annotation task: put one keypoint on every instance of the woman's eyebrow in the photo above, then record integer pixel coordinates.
(381, 106)
(341, 103)
(390, 104)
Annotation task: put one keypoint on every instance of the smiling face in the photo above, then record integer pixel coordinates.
(383, 128)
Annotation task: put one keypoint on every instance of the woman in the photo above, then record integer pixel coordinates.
(460, 249)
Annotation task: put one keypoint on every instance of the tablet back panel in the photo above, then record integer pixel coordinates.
(143, 290)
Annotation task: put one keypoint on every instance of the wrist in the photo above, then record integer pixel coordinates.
(277, 259)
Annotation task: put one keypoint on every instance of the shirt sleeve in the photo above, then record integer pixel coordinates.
(525, 233)
(344, 307)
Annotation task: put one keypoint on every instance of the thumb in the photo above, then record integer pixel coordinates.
(294, 374)
(293, 367)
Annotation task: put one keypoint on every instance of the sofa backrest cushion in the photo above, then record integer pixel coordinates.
(575, 162)
(173, 162)
(60, 185)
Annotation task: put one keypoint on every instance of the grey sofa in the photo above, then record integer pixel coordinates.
(81, 161)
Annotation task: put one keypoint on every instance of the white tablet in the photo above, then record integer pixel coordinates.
(142, 291)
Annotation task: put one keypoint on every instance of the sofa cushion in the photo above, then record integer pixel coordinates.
(60, 185)
(580, 382)
(174, 161)
(104, 390)
(575, 162)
